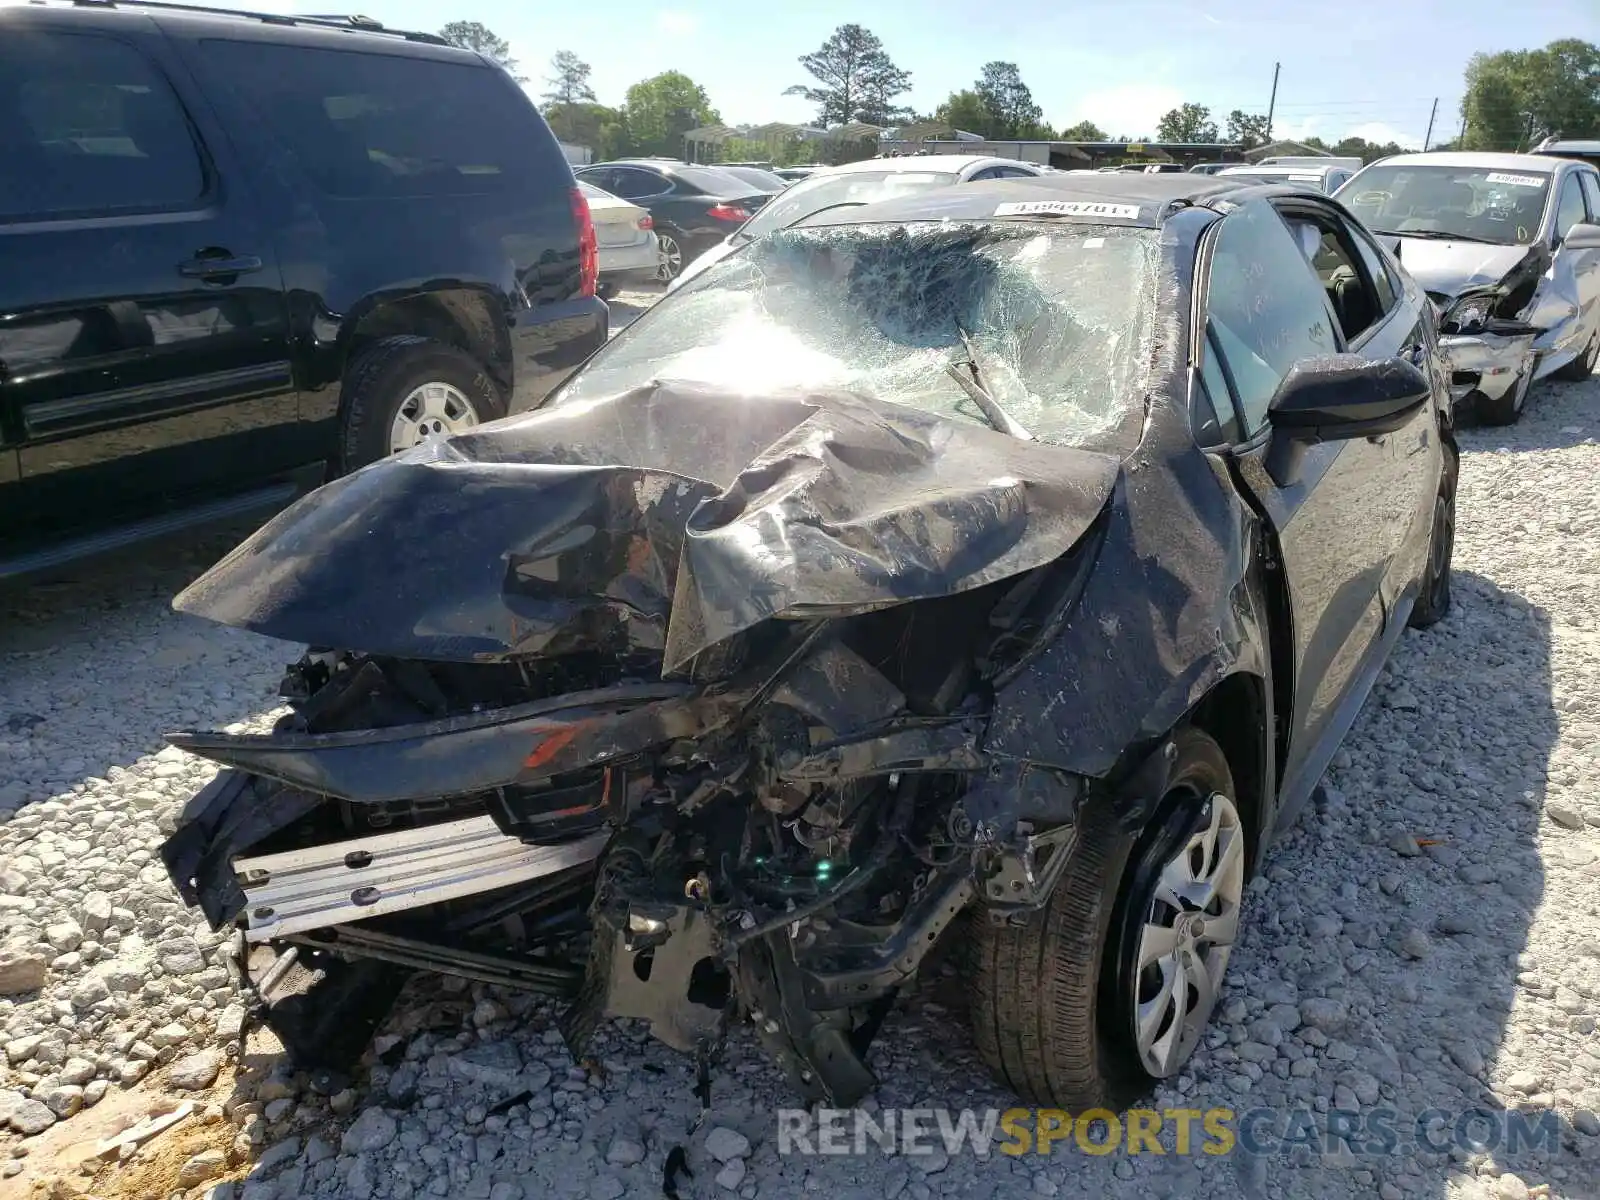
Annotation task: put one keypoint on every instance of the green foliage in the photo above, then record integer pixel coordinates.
(659, 111)
(473, 35)
(1009, 103)
(1247, 129)
(1517, 97)
(568, 80)
(1187, 123)
(1084, 131)
(856, 80)
(593, 125)
(964, 110)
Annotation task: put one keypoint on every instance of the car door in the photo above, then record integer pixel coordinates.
(1588, 277)
(143, 325)
(1571, 304)
(1264, 309)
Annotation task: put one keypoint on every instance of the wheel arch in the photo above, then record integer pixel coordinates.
(1236, 713)
(467, 319)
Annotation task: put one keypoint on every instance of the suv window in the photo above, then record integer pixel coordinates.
(1571, 211)
(89, 125)
(364, 124)
(1265, 308)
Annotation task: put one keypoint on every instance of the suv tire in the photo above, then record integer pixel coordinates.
(1053, 999)
(394, 371)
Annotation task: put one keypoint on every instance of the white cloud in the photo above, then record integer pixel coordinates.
(677, 23)
(1377, 131)
(1132, 110)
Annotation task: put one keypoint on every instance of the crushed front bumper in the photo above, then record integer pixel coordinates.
(1486, 364)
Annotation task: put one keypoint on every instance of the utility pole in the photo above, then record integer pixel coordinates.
(1461, 138)
(1427, 138)
(1272, 104)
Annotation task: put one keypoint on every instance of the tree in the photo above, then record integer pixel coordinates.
(1188, 123)
(660, 110)
(856, 79)
(1248, 129)
(964, 110)
(568, 80)
(593, 125)
(1514, 98)
(1012, 111)
(471, 35)
(1084, 131)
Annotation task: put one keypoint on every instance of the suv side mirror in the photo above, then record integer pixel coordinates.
(1582, 236)
(1337, 397)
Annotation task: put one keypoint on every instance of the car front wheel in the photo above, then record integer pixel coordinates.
(1109, 987)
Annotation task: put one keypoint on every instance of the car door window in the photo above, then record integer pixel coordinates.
(1010, 172)
(1570, 210)
(1384, 286)
(1591, 193)
(635, 184)
(88, 125)
(1264, 307)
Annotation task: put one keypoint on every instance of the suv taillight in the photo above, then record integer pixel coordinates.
(728, 212)
(588, 246)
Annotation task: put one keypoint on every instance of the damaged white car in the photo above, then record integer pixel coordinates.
(1508, 248)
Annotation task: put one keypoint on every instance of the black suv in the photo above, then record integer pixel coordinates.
(240, 253)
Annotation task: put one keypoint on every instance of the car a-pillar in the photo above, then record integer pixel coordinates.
(1106, 986)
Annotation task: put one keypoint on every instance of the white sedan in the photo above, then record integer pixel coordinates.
(629, 252)
(865, 182)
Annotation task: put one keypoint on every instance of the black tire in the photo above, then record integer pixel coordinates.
(1433, 599)
(1049, 998)
(605, 290)
(386, 373)
(1580, 368)
(1507, 408)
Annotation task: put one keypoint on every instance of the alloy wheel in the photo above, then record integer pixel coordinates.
(671, 258)
(1444, 536)
(1190, 923)
(430, 411)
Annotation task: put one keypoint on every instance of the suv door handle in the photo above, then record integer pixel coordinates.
(206, 267)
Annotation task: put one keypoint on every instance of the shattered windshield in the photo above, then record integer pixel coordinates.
(1057, 321)
(1473, 203)
(830, 191)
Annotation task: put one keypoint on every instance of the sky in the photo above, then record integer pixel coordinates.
(1369, 68)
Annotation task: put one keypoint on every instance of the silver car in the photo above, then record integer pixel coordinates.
(1508, 248)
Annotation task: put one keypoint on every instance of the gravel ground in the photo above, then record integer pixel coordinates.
(1427, 938)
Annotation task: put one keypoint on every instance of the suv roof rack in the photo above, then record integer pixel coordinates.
(352, 21)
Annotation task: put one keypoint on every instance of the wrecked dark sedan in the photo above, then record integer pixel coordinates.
(1507, 247)
(1003, 563)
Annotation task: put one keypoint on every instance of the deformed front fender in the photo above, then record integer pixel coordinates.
(1168, 612)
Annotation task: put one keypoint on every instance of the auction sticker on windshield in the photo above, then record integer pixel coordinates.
(1067, 208)
(1531, 181)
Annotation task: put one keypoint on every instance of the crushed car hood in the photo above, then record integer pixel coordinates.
(1450, 268)
(676, 515)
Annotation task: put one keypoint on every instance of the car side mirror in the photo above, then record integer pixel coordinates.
(1581, 236)
(1338, 397)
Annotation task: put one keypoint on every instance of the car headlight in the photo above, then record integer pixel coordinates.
(1469, 313)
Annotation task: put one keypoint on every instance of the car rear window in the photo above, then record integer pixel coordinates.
(714, 182)
(362, 124)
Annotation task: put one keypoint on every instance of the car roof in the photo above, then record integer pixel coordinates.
(1538, 164)
(1280, 168)
(1153, 199)
(921, 162)
(1564, 145)
(274, 26)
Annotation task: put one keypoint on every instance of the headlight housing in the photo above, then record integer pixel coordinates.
(1469, 313)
